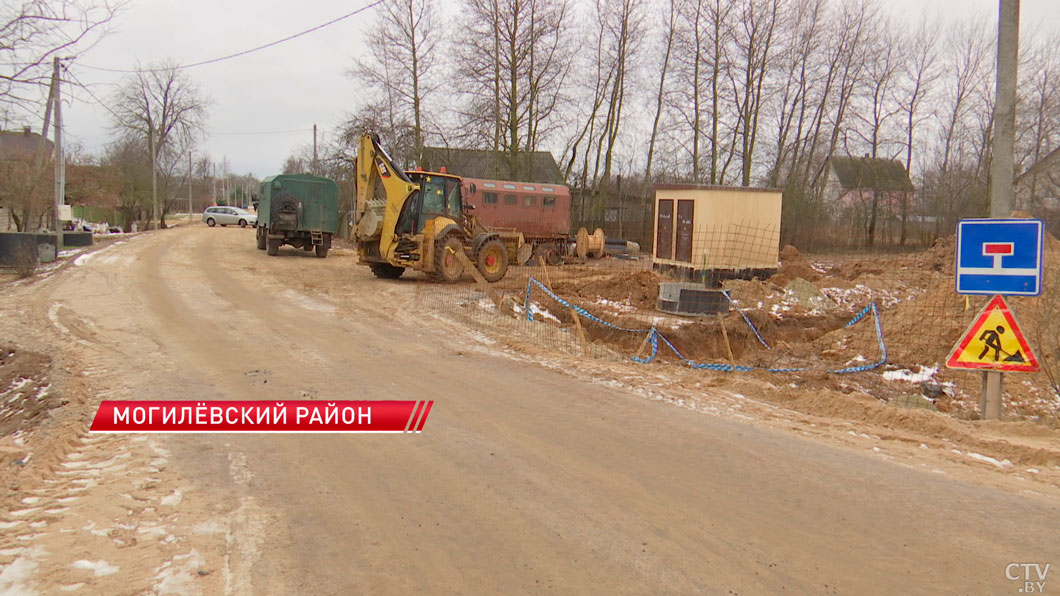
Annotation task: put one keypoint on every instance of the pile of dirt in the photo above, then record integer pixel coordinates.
(635, 288)
(793, 266)
(25, 390)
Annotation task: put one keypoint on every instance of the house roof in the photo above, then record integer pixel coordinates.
(21, 143)
(534, 166)
(1042, 164)
(871, 173)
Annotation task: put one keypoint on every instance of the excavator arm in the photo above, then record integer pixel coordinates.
(374, 165)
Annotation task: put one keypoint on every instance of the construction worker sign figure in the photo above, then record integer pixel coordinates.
(994, 342)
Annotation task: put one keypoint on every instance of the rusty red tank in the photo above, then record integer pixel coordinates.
(540, 211)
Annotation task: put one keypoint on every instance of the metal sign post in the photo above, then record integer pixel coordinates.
(997, 256)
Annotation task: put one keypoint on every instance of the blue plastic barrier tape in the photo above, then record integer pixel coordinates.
(748, 320)
(581, 311)
(654, 336)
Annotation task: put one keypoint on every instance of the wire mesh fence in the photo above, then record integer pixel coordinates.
(731, 300)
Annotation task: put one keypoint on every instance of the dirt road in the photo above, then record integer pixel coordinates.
(526, 479)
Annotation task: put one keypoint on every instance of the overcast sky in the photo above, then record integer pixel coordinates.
(287, 88)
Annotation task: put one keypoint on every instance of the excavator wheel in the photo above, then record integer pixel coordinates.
(386, 270)
(447, 267)
(492, 260)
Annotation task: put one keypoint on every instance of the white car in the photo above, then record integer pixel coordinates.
(229, 215)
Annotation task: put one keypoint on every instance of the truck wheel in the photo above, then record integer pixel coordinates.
(447, 267)
(386, 270)
(272, 246)
(322, 251)
(492, 260)
(261, 238)
(210, 222)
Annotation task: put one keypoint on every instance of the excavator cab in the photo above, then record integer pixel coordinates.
(420, 222)
(438, 196)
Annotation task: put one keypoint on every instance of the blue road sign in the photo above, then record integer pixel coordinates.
(999, 256)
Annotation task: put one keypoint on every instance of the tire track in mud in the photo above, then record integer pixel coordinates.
(101, 514)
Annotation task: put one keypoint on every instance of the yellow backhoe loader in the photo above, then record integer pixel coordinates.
(418, 220)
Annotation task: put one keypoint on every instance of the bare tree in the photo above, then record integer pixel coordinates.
(163, 106)
(34, 32)
(620, 27)
(917, 78)
(800, 48)
(753, 42)
(513, 59)
(1038, 116)
(877, 106)
(664, 70)
(26, 188)
(403, 63)
(128, 164)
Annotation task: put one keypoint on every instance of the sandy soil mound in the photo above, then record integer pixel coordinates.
(634, 288)
(794, 266)
(25, 395)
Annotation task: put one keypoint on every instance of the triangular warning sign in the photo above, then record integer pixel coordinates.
(994, 342)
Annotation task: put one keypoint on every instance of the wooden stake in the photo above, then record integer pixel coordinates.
(581, 331)
(643, 344)
(544, 270)
(481, 281)
(728, 347)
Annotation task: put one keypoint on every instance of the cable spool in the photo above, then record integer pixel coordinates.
(581, 247)
(595, 244)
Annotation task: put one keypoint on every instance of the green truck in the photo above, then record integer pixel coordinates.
(299, 210)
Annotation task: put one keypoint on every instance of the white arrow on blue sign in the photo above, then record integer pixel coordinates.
(999, 256)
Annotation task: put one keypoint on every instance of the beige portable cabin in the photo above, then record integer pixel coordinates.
(717, 228)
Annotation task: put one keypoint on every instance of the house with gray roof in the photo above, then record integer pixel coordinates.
(853, 185)
(22, 144)
(530, 166)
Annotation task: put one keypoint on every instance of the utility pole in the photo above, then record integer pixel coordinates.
(154, 174)
(60, 160)
(191, 174)
(48, 110)
(213, 181)
(1002, 169)
(314, 149)
(41, 153)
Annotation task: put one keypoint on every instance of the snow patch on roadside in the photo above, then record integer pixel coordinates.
(177, 576)
(14, 576)
(99, 568)
(926, 374)
(983, 458)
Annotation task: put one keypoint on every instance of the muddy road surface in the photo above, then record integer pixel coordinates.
(526, 479)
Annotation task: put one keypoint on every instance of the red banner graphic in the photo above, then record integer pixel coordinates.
(299, 416)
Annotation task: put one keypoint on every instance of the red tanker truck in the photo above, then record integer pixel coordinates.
(542, 212)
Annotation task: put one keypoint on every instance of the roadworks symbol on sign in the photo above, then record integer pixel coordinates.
(994, 342)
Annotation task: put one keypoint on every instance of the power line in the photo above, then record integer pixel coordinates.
(244, 52)
(93, 96)
(262, 132)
